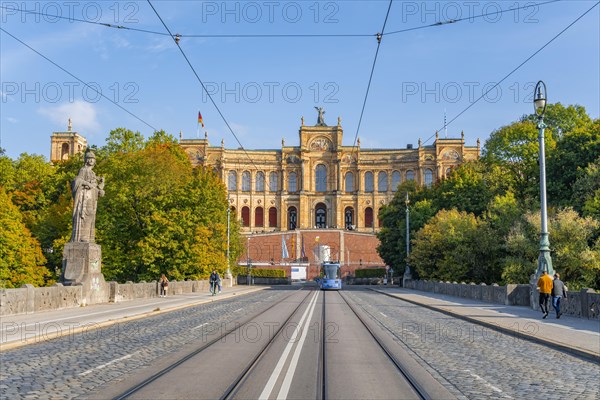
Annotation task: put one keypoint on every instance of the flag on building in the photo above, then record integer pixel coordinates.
(284, 250)
(200, 121)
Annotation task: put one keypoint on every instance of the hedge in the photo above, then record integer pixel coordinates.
(369, 273)
(268, 273)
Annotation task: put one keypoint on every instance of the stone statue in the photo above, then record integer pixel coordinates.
(320, 118)
(86, 189)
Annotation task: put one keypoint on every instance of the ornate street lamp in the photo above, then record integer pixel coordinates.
(407, 274)
(539, 104)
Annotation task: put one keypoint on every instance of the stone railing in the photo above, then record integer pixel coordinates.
(30, 299)
(513, 295)
(584, 304)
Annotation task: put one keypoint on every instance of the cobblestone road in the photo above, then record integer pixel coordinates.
(477, 362)
(74, 365)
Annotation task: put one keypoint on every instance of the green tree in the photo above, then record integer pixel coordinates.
(456, 246)
(21, 259)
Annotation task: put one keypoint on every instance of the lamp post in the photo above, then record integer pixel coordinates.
(407, 274)
(539, 105)
(228, 273)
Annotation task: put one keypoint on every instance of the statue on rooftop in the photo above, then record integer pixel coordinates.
(320, 118)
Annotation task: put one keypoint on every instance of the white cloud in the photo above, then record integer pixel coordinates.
(12, 120)
(83, 115)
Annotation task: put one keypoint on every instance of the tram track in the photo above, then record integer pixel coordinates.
(418, 388)
(230, 391)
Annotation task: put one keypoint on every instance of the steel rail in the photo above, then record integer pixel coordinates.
(419, 390)
(197, 351)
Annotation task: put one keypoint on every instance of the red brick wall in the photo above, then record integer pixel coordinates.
(360, 250)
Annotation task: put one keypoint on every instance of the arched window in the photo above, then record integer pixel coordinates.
(428, 177)
(349, 218)
(292, 182)
(259, 218)
(64, 151)
(321, 216)
(292, 218)
(368, 217)
(245, 216)
(395, 180)
(349, 182)
(260, 181)
(382, 183)
(273, 182)
(410, 176)
(245, 181)
(321, 178)
(232, 181)
(368, 181)
(272, 217)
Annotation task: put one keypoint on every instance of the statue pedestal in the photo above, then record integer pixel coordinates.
(82, 265)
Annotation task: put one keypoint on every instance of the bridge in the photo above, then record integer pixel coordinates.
(294, 341)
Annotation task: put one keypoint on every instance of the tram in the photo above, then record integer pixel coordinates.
(331, 278)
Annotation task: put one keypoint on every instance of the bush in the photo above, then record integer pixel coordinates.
(267, 273)
(369, 273)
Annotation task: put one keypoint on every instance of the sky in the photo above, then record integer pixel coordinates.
(427, 67)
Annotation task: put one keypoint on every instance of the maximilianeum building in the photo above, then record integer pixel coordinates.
(313, 201)
(320, 183)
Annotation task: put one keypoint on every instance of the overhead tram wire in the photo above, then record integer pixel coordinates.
(276, 35)
(453, 21)
(517, 67)
(202, 83)
(379, 36)
(80, 80)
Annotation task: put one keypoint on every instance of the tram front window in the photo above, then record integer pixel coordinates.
(332, 271)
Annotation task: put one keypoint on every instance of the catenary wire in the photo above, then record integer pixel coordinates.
(202, 84)
(75, 77)
(371, 75)
(276, 35)
(516, 68)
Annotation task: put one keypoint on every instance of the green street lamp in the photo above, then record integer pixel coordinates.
(407, 274)
(539, 104)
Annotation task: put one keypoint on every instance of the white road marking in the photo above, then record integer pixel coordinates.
(89, 371)
(382, 314)
(287, 381)
(278, 368)
(199, 326)
(239, 309)
(486, 383)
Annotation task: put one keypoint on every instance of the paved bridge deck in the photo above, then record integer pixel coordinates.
(576, 335)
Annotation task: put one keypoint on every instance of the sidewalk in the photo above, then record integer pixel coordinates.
(23, 329)
(571, 334)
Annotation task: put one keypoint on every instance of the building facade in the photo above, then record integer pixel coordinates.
(320, 183)
(64, 145)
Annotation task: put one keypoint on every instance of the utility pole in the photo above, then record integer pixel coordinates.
(228, 273)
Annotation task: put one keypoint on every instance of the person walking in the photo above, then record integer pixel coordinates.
(559, 290)
(164, 285)
(544, 285)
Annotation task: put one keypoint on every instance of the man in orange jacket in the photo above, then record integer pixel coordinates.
(544, 285)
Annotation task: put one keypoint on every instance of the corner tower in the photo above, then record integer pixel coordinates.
(65, 145)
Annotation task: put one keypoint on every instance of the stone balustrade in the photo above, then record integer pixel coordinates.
(584, 304)
(30, 299)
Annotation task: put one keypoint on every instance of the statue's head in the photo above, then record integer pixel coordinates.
(89, 154)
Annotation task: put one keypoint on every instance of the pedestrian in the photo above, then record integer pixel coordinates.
(544, 285)
(164, 285)
(214, 282)
(559, 290)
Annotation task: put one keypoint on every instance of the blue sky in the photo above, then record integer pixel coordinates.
(264, 85)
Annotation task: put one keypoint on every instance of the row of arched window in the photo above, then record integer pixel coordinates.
(321, 180)
(320, 217)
